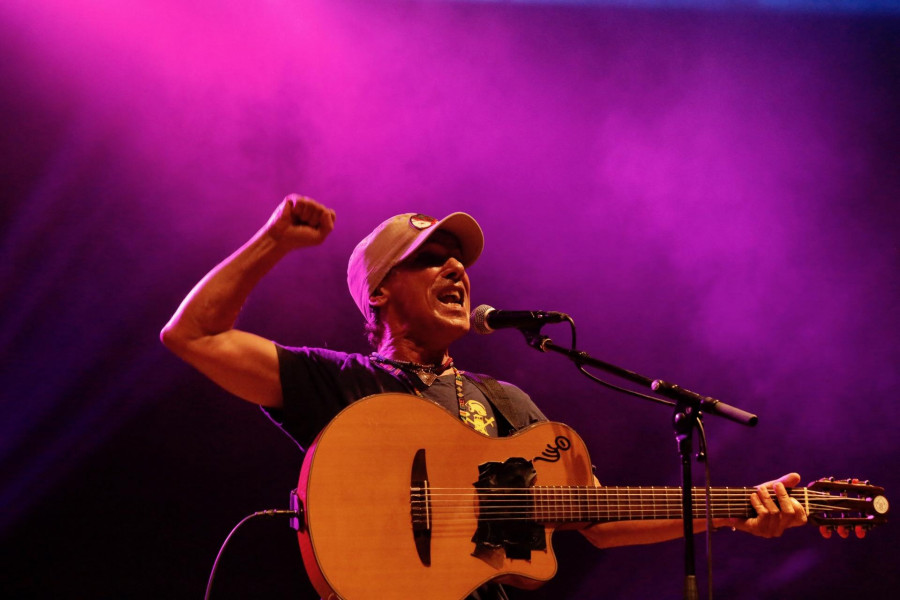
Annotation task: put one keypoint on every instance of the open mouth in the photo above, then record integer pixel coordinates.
(451, 298)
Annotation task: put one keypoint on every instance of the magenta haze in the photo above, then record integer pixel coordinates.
(711, 195)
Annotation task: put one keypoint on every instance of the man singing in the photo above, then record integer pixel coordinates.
(408, 279)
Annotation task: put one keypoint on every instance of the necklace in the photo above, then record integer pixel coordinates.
(427, 374)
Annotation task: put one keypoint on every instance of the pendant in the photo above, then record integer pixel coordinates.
(427, 377)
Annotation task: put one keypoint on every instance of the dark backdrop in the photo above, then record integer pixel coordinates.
(713, 195)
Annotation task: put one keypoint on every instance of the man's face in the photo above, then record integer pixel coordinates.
(428, 293)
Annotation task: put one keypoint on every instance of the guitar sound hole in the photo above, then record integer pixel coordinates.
(420, 507)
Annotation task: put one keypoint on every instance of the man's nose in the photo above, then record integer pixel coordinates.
(454, 269)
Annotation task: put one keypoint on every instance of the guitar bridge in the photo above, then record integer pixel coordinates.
(420, 507)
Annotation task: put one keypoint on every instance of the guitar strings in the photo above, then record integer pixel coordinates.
(554, 504)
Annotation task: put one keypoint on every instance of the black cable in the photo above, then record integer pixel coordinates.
(623, 390)
(572, 327)
(604, 383)
(703, 456)
(273, 512)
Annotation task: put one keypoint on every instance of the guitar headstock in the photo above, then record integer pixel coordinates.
(846, 503)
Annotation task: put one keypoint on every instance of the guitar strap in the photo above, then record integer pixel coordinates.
(498, 397)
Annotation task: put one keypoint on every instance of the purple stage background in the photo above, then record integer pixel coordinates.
(712, 195)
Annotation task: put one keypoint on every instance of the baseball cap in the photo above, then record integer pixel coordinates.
(397, 238)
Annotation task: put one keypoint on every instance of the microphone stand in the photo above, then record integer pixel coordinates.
(689, 409)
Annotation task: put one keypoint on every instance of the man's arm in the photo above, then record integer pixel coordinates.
(774, 515)
(201, 332)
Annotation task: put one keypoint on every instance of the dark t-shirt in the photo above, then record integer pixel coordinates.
(318, 383)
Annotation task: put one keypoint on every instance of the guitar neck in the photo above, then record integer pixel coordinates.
(612, 503)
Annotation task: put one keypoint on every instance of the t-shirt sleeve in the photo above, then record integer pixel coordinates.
(316, 385)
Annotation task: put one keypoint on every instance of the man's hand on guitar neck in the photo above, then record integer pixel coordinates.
(775, 513)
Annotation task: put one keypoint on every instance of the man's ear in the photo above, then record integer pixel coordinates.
(378, 297)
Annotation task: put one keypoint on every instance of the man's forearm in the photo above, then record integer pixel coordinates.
(201, 332)
(212, 307)
(631, 533)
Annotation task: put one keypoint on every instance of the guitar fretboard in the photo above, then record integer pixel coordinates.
(612, 503)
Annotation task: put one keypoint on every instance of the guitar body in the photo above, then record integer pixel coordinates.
(401, 500)
(355, 488)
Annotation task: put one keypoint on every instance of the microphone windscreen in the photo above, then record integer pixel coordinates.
(479, 319)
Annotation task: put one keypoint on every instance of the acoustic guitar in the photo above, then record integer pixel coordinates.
(399, 499)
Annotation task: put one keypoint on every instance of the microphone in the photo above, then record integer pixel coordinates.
(487, 319)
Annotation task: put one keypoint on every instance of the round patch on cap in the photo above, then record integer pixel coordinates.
(421, 222)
